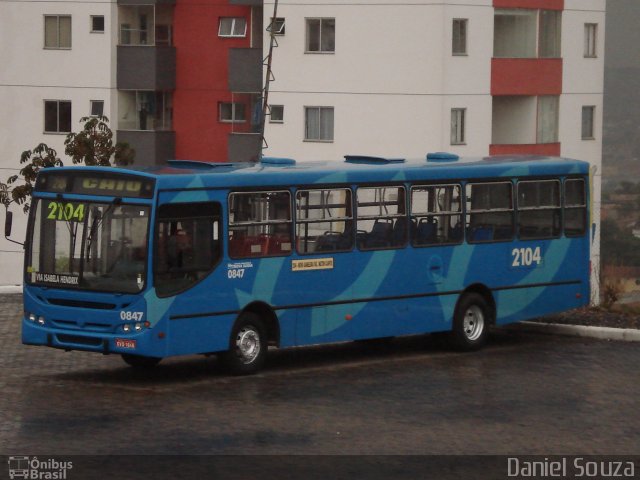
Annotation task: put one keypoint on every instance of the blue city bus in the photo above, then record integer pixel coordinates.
(227, 258)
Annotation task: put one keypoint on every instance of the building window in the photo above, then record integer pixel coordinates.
(276, 114)
(590, 36)
(318, 124)
(97, 23)
(459, 36)
(97, 108)
(321, 35)
(547, 126)
(277, 26)
(232, 112)
(588, 114)
(232, 27)
(57, 116)
(57, 31)
(458, 126)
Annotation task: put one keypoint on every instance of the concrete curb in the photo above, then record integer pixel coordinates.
(10, 289)
(602, 333)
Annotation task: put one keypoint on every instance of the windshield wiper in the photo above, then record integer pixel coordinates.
(96, 223)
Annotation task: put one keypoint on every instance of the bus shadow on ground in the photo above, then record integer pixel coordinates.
(194, 368)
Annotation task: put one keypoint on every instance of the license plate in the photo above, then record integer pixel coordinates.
(124, 343)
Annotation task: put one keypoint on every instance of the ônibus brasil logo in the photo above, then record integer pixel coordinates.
(33, 468)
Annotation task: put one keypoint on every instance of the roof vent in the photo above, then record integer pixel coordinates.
(198, 164)
(371, 160)
(442, 157)
(277, 161)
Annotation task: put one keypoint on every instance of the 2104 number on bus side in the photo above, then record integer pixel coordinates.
(526, 257)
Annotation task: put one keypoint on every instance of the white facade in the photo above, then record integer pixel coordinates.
(33, 74)
(393, 80)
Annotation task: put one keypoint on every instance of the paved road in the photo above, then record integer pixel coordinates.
(523, 394)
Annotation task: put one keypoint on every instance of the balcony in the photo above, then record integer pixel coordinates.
(525, 125)
(526, 50)
(244, 115)
(145, 122)
(146, 56)
(245, 69)
(152, 147)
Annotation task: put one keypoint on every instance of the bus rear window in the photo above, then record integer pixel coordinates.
(575, 208)
(259, 224)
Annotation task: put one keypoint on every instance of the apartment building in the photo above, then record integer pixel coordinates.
(184, 78)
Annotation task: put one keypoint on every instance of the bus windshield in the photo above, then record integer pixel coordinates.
(87, 245)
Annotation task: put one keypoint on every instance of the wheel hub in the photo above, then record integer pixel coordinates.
(473, 324)
(248, 345)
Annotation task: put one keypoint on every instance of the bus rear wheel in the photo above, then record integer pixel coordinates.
(136, 361)
(247, 347)
(470, 323)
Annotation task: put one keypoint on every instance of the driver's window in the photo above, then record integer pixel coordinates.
(187, 245)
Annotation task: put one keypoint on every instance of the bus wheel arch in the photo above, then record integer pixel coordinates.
(269, 319)
(473, 314)
(485, 293)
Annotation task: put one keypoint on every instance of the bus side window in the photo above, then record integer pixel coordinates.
(489, 212)
(259, 224)
(187, 247)
(436, 215)
(382, 221)
(538, 209)
(575, 207)
(324, 220)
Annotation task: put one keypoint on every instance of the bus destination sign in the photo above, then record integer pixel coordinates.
(96, 183)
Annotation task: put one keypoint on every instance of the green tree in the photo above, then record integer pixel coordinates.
(93, 145)
(42, 156)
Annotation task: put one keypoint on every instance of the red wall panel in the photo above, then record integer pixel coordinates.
(541, 4)
(526, 76)
(551, 149)
(202, 67)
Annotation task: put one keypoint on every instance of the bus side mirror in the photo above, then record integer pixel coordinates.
(8, 221)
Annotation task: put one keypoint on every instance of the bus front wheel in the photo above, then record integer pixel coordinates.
(136, 361)
(470, 323)
(247, 347)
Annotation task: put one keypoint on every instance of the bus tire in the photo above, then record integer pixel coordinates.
(471, 320)
(137, 361)
(247, 346)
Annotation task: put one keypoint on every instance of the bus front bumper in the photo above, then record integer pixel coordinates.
(144, 343)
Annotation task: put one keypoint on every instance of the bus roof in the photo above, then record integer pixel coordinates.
(270, 172)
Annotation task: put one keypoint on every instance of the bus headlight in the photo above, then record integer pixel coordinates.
(32, 317)
(41, 320)
(126, 327)
(138, 327)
